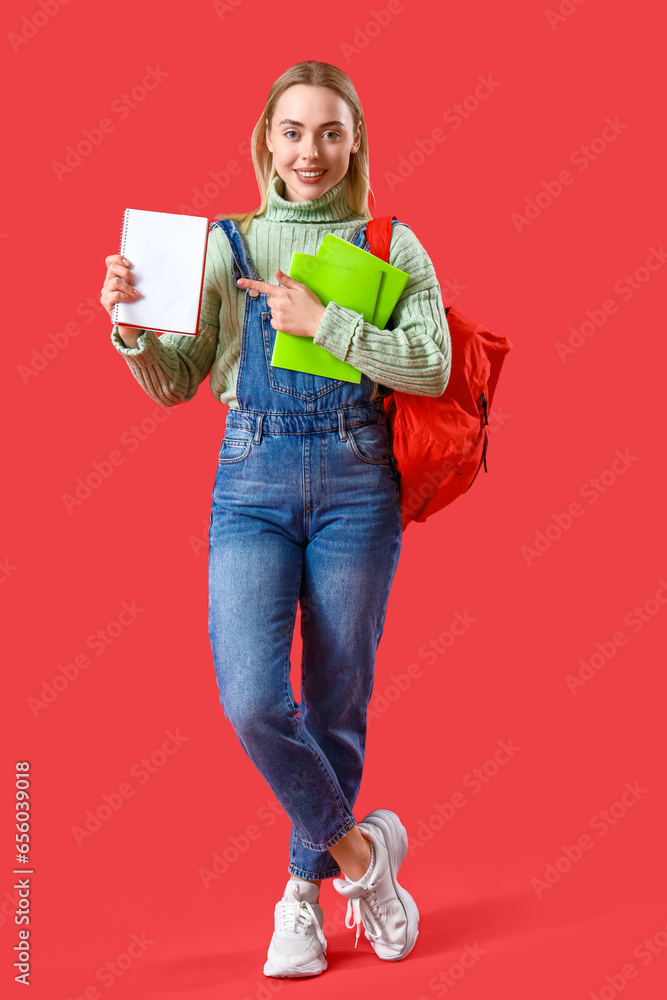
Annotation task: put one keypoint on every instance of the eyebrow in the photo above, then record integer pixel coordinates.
(290, 121)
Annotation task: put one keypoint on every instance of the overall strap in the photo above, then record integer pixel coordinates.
(242, 265)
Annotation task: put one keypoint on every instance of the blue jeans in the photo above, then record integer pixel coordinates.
(305, 509)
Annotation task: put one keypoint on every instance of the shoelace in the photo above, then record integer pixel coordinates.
(298, 917)
(364, 909)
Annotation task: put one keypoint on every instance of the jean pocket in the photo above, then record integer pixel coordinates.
(370, 443)
(235, 447)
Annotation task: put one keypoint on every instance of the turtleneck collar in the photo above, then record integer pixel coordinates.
(332, 205)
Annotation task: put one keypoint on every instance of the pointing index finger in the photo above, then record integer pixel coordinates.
(260, 286)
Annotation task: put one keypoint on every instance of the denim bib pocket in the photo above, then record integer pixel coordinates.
(293, 383)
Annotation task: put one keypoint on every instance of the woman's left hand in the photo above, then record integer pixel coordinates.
(294, 308)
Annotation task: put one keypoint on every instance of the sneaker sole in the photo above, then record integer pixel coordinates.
(313, 968)
(396, 841)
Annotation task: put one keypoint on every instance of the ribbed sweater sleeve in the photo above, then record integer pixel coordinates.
(171, 367)
(414, 355)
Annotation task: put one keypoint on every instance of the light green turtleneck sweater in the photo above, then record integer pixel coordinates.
(414, 356)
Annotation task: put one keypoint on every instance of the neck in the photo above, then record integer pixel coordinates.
(332, 205)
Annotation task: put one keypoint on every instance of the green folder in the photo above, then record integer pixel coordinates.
(343, 273)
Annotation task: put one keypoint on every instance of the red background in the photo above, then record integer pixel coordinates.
(556, 425)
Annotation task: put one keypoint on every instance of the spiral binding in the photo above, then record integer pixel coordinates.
(123, 239)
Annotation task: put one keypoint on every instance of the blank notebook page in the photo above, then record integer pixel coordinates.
(167, 254)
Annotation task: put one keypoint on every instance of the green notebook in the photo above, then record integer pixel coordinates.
(343, 273)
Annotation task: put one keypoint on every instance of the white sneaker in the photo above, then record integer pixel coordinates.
(388, 912)
(298, 945)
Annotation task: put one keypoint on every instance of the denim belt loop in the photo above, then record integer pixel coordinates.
(341, 425)
(258, 428)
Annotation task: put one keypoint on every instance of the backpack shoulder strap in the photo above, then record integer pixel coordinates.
(366, 236)
(378, 234)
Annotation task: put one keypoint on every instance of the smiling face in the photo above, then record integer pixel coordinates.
(311, 133)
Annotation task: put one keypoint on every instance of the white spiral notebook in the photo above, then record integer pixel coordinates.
(167, 253)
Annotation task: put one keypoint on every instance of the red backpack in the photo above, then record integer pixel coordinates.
(440, 442)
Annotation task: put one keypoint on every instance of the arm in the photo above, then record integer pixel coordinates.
(414, 355)
(170, 368)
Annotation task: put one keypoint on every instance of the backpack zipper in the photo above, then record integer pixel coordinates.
(486, 436)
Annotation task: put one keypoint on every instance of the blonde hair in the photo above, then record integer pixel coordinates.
(317, 74)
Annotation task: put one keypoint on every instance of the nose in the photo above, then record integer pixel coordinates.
(309, 152)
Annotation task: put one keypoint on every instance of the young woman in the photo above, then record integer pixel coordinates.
(305, 504)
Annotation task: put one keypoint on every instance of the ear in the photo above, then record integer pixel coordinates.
(357, 141)
(266, 135)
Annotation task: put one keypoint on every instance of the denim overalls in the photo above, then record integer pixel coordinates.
(305, 508)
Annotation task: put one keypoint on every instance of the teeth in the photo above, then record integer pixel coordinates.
(310, 173)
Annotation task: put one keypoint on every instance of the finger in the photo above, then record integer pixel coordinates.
(261, 286)
(115, 258)
(285, 279)
(121, 285)
(118, 284)
(123, 273)
(119, 295)
(108, 298)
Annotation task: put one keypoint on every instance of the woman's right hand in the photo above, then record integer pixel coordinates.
(118, 287)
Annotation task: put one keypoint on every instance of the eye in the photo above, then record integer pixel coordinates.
(292, 131)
